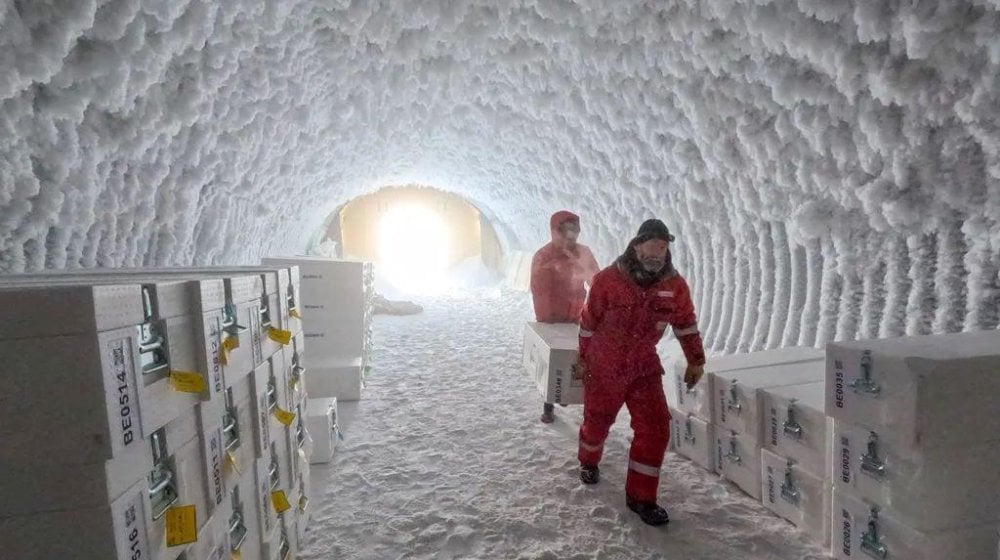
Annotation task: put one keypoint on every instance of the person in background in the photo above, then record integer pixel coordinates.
(559, 272)
(629, 307)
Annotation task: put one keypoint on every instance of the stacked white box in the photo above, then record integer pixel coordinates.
(693, 438)
(915, 446)
(795, 478)
(738, 416)
(795, 425)
(700, 399)
(549, 353)
(862, 530)
(796, 494)
(321, 419)
(698, 403)
(337, 306)
(118, 450)
(124, 524)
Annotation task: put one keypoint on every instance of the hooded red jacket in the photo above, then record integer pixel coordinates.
(558, 274)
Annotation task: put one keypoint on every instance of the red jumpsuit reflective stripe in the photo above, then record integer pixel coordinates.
(620, 326)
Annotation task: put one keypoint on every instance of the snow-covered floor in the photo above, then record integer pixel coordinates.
(445, 458)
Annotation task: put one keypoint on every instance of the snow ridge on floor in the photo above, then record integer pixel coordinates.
(445, 458)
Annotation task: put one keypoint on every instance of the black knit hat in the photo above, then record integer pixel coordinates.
(653, 229)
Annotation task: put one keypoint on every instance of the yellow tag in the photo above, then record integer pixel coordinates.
(181, 525)
(187, 381)
(231, 461)
(237, 555)
(278, 335)
(231, 343)
(280, 501)
(294, 313)
(284, 416)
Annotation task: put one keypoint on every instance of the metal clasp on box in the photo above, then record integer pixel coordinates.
(162, 490)
(792, 428)
(788, 490)
(230, 322)
(865, 383)
(153, 357)
(274, 469)
(290, 298)
(237, 529)
(272, 392)
(265, 305)
(734, 400)
(871, 542)
(300, 432)
(871, 463)
(688, 433)
(733, 455)
(303, 498)
(230, 422)
(284, 550)
(297, 370)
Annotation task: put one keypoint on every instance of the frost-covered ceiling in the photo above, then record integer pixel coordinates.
(832, 166)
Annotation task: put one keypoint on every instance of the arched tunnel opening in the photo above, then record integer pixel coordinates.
(422, 240)
(191, 194)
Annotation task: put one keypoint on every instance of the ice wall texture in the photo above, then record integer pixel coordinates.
(832, 167)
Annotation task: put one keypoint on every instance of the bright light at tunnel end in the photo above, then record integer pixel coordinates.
(413, 250)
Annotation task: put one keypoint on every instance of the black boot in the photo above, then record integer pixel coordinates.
(590, 474)
(548, 415)
(649, 512)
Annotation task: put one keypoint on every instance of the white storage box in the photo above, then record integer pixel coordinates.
(77, 486)
(694, 438)
(336, 301)
(31, 312)
(739, 460)
(797, 495)
(343, 380)
(859, 532)
(944, 487)
(131, 522)
(279, 544)
(796, 427)
(268, 480)
(699, 400)
(550, 352)
(116, 531)
(739, 394)
(244, 529)
(924, 390)
(70, 396)
(321, 421)
(213, 536)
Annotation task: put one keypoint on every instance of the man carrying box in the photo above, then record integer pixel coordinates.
(559, 271)
(626, 313)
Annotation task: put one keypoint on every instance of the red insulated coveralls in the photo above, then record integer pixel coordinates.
(619, 329)
(558, 274)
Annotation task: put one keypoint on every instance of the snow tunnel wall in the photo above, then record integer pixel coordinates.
(832, 167)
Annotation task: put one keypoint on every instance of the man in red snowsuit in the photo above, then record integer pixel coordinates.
(629, 307)
(558, 272)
